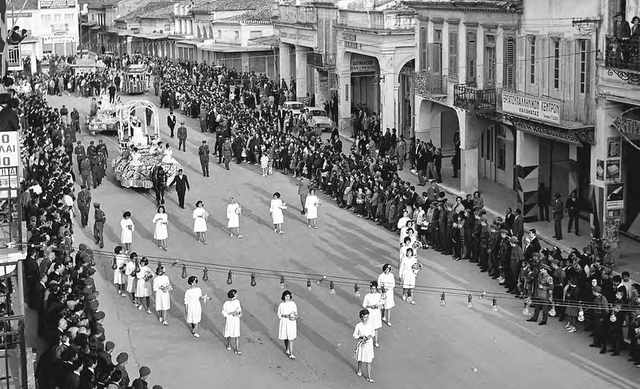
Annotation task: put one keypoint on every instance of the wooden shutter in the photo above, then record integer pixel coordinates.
(588, 56)
(471, 57)
(521, 63)
(434, 58)
(509, 74)
(453, 55)
(423, 48)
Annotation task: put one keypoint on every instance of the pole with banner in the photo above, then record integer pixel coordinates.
(4, 48)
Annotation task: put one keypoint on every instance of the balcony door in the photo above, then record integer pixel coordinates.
(497, 155)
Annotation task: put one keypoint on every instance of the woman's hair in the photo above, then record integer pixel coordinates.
(144, 261)
(126, 214)
(385, 267)
(373, 284)
(161, 207)
(232, 293)
(198, 203)
(363, 313)
(286, 292)
(192, 280)
(276, 195)
(117, 250)
(160, 270)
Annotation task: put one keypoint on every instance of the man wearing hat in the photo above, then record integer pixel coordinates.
(542, 290)
(121, 361)
(98, 225)
(141, 382)
(558, 214)
(517, 256)
(84, 165)
(203, 154)
(84, 204)
(600, 313)
(182, 137)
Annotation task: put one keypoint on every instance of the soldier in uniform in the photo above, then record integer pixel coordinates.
(485, 233)
(494, 247)
(542, 290)
(95, 170)
(182, 137)
(102, 148)
(85, 171)
(444, 232)
(504, 253)
(203, 154)
(226, 152)
(75, 120)
(98, 225)
(91, 150)
(80, 153)
(477, 231)
(84, 203)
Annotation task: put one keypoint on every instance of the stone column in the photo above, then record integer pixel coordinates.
(388, 92)
(469, 135)
(301, 72)
(284, 57)
(527, 172)
(343, 66)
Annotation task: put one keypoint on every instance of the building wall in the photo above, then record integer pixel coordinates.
(55, 29)
(239, 34)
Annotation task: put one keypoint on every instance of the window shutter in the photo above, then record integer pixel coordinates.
(423, 48)
(587, 49)
(521, 62)
(571, 72)
(509, 63)
(434, 58)
(471, 57)
(453, 55)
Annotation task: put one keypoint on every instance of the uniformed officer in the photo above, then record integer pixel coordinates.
(85, 170)
(98, 225)
(95, 170)
(80, 153)
(84, 203)
(91, 150)
(203, 153)
(182, 137)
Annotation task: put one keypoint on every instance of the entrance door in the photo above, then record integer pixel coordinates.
(497, 155)
(487, 163)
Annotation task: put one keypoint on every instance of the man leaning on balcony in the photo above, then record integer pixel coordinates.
(622, 34)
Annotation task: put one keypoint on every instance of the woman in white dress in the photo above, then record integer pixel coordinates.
(168, 155)
(387, 282)
(233, 217)
(160, 233)
(364, 335)
(120, 261)
(408, 270)
(311, 205)
(373, 302)
(200, 222)
(143, 286)
(126, 236)
(232, 313)
(192, 307)
(130, 271)
(277, 205)
(162, 287)
(288, 328)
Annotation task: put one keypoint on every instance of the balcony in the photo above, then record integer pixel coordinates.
(13, 59)
(622, 58)
(430, 86)
(329, 59)
(473, 100)
(378, 20)
(297, 14)
(568, 113)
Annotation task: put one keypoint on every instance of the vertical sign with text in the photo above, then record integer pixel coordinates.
(9, 164)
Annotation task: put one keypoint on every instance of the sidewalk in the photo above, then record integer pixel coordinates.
(497, 199)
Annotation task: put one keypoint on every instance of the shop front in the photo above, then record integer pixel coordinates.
(296, 44)
(365, 83)
(59, 45)
(617, 171)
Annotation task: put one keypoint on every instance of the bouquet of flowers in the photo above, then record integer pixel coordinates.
(206, 298)
(359, 343)
(147, 275)
(166, 288)
(416, 267)
(293, 316)
(238, 210)
(237, 313)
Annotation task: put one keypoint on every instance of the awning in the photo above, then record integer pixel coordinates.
(96, 27)
(266, 40)
(188, 42)
(150, 36)
(234, 49)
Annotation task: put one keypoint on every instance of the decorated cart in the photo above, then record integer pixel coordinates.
(140, 154)
(106, 120)
(136, 79)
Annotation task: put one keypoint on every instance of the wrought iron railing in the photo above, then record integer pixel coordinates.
(474, 100)
(430, 85)
(622, 53)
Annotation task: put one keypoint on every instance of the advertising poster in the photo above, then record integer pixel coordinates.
(615, 193)
(614, 147)
(600, 170)
(613, 170)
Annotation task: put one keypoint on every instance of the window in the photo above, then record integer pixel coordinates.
(583, 65)
(56, 17)
(453, 55)
(437, 36)
(532, 60)
(556, 63)
(490, 60)
(68, 16)
(501, 148)
(236, 35)
(509, 63)
(423, 48)
(434, 58)
(255, 34)
(471, 57)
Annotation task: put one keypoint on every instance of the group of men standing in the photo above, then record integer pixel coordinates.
(92, 163)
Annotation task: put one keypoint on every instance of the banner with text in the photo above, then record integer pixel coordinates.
(531, 107)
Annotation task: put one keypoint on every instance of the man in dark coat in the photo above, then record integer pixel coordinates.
(171, 122)
(182, 186)
(203, 154)
(558, 214)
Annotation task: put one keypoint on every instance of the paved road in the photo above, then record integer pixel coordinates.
(428, 346)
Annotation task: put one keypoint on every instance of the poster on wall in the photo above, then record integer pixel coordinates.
(614, 147)
(615, 193)
(611, 227)
(600, 170)
(613, 170)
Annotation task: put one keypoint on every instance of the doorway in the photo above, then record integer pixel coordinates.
(497, 155)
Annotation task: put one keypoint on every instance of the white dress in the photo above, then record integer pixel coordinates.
(407, 275)
(192, 302)
(160, 232)
(287, 329)
(233, 215)
(200, 223)
(168, 157)
(364, 353)
(131, 278)
(127, 234)
(264, 161)
(232, 323)
(311, 204)
(118, 273)
(163, 299)
(143, 287)
(276, 211)
(388, 281)
(375, 315)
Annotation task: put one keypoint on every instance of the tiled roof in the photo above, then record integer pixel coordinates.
(229, 5)
(262, 14)
(152, 10)
(17, 5)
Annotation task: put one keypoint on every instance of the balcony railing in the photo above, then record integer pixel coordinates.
(378, 20)
(297, 14)
(430, 85)
(622, 58)
(14, 59)
(474, 100)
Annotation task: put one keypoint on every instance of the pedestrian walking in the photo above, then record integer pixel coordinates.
(119, 265)
(232, 312)
(160, 233)
(171, 122)
(143, 285)
(85, 170)
(126, 236)
(200, 216)
(130, 271)
(99, 218)
(203, 154)
(182, 137)
(303, 191)
(84, 205)
(192, 306)
(386, 282)
(373, 302)
(409, 268)
(233, 217)
(226, 153)
(558, 214)
(162, 287)
(288, 327)
(75, 120)
(364, 334)
(573, 210)
(311, 207)
(277, 217)
(182, 186)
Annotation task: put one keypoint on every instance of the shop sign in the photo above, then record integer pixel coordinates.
(56, 4)
(627, 126)
(531, 107)
(315, 60)
(58, 39)
(9, 162)
(363, 65)
(615, 196)
(299, 38)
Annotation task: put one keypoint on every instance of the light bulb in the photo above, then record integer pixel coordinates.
(525, 311)
(356, 290)
(332, 288)
(581, 315)
(321, 279)
(469, 301)
(494, 305)
(443, 302)
(552, 311)
(309, 284)
(205, 274)
(229, 278)
(481, 296)
(253, 279)
(184, 272)
(613, 318)
(281, 282)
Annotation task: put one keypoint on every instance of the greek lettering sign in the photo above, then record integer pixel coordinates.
(627, 126)
(363, 64)
(56, 4)
(531, 107)
(308, 40)
(57, 39)
(9, 153)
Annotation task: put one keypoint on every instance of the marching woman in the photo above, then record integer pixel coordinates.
(387, 282)
(130, 271)
(288, 329)
(277, 205)
(233, 217)
(143, 286)
(126, 236)
(200, 222)
(162, 287)
(373, 302)
(192, 307)
(311, 206)
(120, 265)
(160, 233)
(364, 334)
(232, 313)
(408, 271)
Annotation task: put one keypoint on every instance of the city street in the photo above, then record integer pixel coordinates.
(428, 346)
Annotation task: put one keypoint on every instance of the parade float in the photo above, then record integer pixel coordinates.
(141, 149)
(136, 79)
(106, 119)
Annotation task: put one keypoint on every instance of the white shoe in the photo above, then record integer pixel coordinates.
(165, 323)
(573, 329)
(195, 334)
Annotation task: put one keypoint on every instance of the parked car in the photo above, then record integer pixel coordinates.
(295, 106)
(319, 120)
